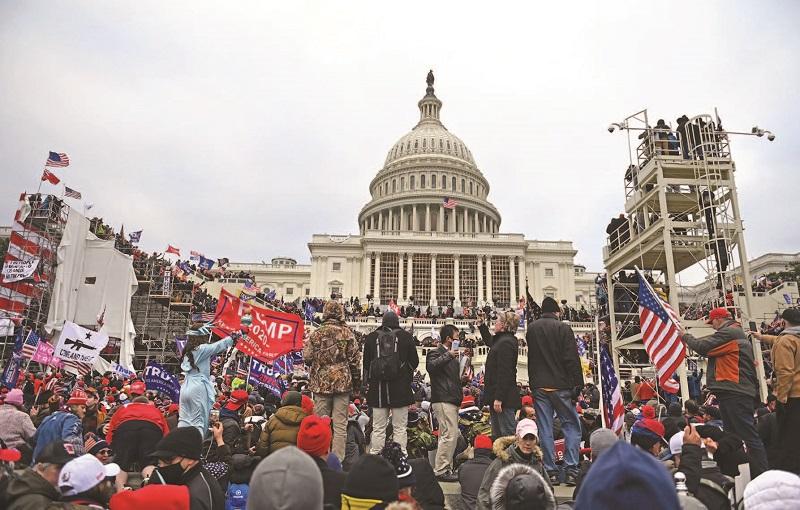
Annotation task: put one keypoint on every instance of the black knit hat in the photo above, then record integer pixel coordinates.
(181, 442)
(549, 305)
(405, 473)
(371, 477)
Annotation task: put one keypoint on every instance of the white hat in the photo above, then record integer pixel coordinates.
(527, 426)
(81, 474)
(676, 443)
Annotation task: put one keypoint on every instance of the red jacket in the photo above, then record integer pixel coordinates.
(136, 411)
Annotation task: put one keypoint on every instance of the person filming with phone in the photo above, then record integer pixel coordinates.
(444, 370)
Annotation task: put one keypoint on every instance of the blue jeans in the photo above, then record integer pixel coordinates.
(559, 402)
(503, 423)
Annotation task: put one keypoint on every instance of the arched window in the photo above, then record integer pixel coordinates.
(411, 181)
(424, 143)
(433, 181)
(441, 144)
(394, 185)
(416, 144)
(453, 183)
(448, 144)
(444, 182)
(422, 181)
(470, 187)
(463, 186)
(402, 183)
(386, 188)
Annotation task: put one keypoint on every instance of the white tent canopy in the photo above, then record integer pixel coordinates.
(92, 275)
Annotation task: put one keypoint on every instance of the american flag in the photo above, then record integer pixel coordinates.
(660, 335)
(71, 193)
(613, 410)
(203, 317)
(76, 367)
(173, 250)
(29, 347)
(449, 203)
(57, 159)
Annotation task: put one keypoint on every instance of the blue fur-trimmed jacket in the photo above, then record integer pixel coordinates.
(59, 426)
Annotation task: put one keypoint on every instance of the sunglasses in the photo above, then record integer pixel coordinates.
(105, 451)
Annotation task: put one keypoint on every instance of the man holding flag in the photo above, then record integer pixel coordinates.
(732, 378)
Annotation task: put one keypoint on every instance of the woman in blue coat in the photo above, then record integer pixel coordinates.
(197, 391)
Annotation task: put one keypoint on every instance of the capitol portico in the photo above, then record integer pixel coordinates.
(429, 232)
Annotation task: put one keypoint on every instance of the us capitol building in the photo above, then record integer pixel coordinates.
(411, 243)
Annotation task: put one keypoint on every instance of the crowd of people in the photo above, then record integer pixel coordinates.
(361, 426)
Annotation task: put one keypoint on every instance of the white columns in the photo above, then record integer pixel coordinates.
(409, 288)
(381, 226)
(480, 280)
(365, 262)
(476, 227)
(512, 290)
(403, 218)
(400, 294)
(391, 219)
(466, 220)
(427, 217)
(433, 279)
(522, 275)
(414, 221)
(376, 289)
(452, 220)
(489, 293)
(440, 221)
(456, 285)
(484, 223)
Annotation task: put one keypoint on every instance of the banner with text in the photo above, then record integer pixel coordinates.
(16, 270)
(45, 354)
(272, 333)
(261, 374)
(158, 378)
(79, 344)
(122, 371)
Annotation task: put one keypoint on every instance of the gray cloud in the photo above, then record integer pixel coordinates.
(241, 129)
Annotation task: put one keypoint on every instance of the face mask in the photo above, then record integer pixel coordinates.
(168, 475)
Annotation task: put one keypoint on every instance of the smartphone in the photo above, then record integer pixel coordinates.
(456, 345)
(752, 325)
(214, 418)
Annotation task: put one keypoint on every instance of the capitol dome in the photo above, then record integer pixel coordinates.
(429, 182)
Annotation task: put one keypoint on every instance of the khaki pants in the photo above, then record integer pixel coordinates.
(335, 406)
(447, 416)
(380, 418)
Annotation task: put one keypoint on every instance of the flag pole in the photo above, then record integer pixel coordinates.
(39, 189)
(599, 370)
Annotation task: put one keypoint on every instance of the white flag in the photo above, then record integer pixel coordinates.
(16, 270)
(80, 345)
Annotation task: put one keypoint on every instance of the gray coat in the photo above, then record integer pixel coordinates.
(505, 450)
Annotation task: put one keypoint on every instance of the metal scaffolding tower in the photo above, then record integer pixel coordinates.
(160, 310)
(681, 211)
(36, 233)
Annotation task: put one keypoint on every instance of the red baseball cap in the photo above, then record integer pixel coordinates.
(237, 400)
(718, 313)
(137, 388)
(527, 400)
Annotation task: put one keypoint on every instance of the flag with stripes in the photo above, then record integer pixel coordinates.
(71, 193)
(660, 335)
(449, 203)
(30, 345)
(203, 317)
(57, 159)
(173, 250)
(613, 410)
(76, 367)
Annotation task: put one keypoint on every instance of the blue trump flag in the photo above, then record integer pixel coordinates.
(205, 263)
(261, 374)
(11, 372)
(158, 378)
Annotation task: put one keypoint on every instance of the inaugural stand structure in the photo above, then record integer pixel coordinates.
(681, 212)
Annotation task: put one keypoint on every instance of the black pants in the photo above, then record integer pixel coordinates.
(737, 417)
(789, 436)
(133, 442)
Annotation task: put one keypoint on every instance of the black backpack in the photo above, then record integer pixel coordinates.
(386, 365)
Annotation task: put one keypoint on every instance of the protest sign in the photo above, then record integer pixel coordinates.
(261, 374)
(122, 371)
(80, 345)
(11, 371)
(45, 354)
(158, 378)
(16, 270)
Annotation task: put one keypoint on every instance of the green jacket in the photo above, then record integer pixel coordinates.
(731, 365)
(32, 492)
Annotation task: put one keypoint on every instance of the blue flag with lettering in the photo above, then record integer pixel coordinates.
(205, 263)
(11, 372)
(158, 378)
(261, 374)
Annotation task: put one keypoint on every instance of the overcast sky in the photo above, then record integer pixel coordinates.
(241, 128)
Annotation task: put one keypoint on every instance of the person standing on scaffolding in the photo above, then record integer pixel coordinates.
(197, 391)
(732, 378)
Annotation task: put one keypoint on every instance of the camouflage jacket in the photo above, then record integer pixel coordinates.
(419, 443)
(334, 358)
